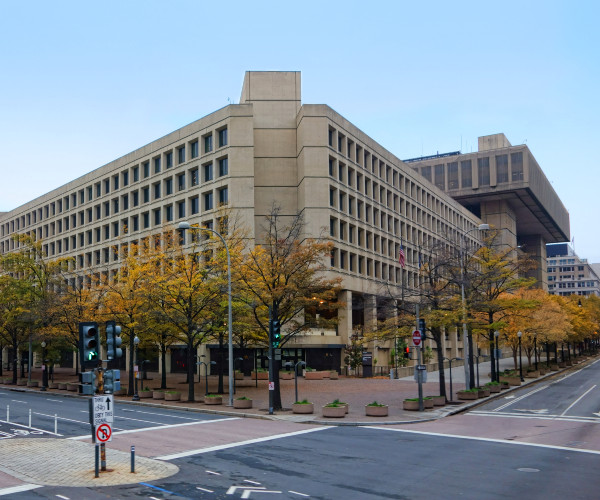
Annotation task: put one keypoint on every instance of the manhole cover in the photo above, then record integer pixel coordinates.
(527, 469)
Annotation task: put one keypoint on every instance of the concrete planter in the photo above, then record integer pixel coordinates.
(569, 363)
(466, 395)
(313, 376)
(554, 367)
(410, 405)
(286, 375)
(512, 381)
(239, 376)
(145, 394)
(427, 403)
(334, 411)
(52, 385)
(33, 383)
(303, 408)
(158, 394)
(533, 374)
(504, 385)
(62, 386)
(333, 375)
(494, 388)
(562, 364)
(72, 387)
(242, 404)
(213, 400)
(483, 392)
(438, 400)
(260, 375)
(22, 381)
(376, 411)
(325, 373)
(172, 396)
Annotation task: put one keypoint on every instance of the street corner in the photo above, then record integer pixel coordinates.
(55, 462)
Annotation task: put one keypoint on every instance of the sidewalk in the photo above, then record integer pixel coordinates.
(357, 392)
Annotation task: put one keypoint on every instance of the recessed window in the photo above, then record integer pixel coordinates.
(194, 149)
(168, 186)
(223, 167)
(208, 143)
(169, 213)
(208, 172)
(157, 217)
(181, 209)
(136, 174)
(181, 182)
(194, 205)
(208, 201)
(157, 190)
(157, 165)
(223, 196)
(181, 155)
(146, 194)
(169, 159)
(125, 179)
(146, 168)
(222, 137)
(194, 177)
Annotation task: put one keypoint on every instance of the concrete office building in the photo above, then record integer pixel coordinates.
(271, 148)
(504, 186)
(568, 274)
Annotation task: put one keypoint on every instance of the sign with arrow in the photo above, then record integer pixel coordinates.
(102, 409)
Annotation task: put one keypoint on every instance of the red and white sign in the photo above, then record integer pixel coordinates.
(417, 337)
(103, 433)
(271, 386)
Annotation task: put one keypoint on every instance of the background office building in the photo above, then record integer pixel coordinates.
(568, 274)
(307, 158)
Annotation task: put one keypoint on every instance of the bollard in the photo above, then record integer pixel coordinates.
(133, 459)
(97, 466)
(30, 418)
(7, 414)
(55, 424)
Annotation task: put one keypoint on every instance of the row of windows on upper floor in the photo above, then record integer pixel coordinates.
(367, 240)
(116, 252)
(153, 218)
(579, 292)
(448, 176)
(373, 268)
(554, 262)
(565, 269)
(145, 194)
(364, 184)
(184, 153)
(369, 214)
(580, 284)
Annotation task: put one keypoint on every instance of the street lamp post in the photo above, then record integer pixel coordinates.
(479, 355)
(185, 226)
(520, 334)
(450, 370)
(136, 396)
(496, 355)
(535, 351)
(44, 367)
(236, 359)
(466, 343)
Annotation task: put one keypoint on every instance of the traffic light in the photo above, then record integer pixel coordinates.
(88, 383)
(113, 341)
(112, 381)
(407, 352)
(89, 344)
(276, 340)
(422, 325)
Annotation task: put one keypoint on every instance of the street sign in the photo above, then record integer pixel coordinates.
(271, 386)
(103, 433)
(417, 337)
(102, 411)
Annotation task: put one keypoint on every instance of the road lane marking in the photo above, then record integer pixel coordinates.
(213, 473)
(577, 400)
(63, 497)
(18, 489)
(572, 418)
(513, 401)
(240, 443)
(204, 489)
(163, 415)
(488, 440)
(27, 427)
(159, 427)
(251, 482)
(17, 401)
(298, 493)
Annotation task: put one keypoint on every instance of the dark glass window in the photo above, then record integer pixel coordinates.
(208, 172)
(146, 167)
(438, 171)
(181, 155)
(195, 202)
(208, 144)
(208, 201)
(223, 196)
(426, 172)
(466, 174)
(156, 165)
(169, 159)
(194, 147)
(516, 166)
(223, 167)
(483, 171)
(453, 175)
(194, 177)
(222, 137)
(501, 169)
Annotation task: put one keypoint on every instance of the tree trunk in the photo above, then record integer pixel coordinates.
(163, 366)
(492, 356)
(131, 360)
(221, 361)
(436, 333)
(15, 360)
(190, 370)
(471, 366)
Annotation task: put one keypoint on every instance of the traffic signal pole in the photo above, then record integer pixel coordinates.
(419, 374)
(271, 357)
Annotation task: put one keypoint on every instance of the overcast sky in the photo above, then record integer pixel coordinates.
(86, 82)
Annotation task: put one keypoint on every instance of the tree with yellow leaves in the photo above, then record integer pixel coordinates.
(282, 276)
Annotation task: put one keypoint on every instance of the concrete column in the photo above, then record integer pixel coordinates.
(501, 217)
(535, 247)
(345, 316)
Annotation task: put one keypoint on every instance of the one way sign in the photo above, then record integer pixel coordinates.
(102, 409)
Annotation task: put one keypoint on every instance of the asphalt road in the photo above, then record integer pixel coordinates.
(72, 415)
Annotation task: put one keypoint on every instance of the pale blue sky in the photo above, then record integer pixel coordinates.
(86, 82)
